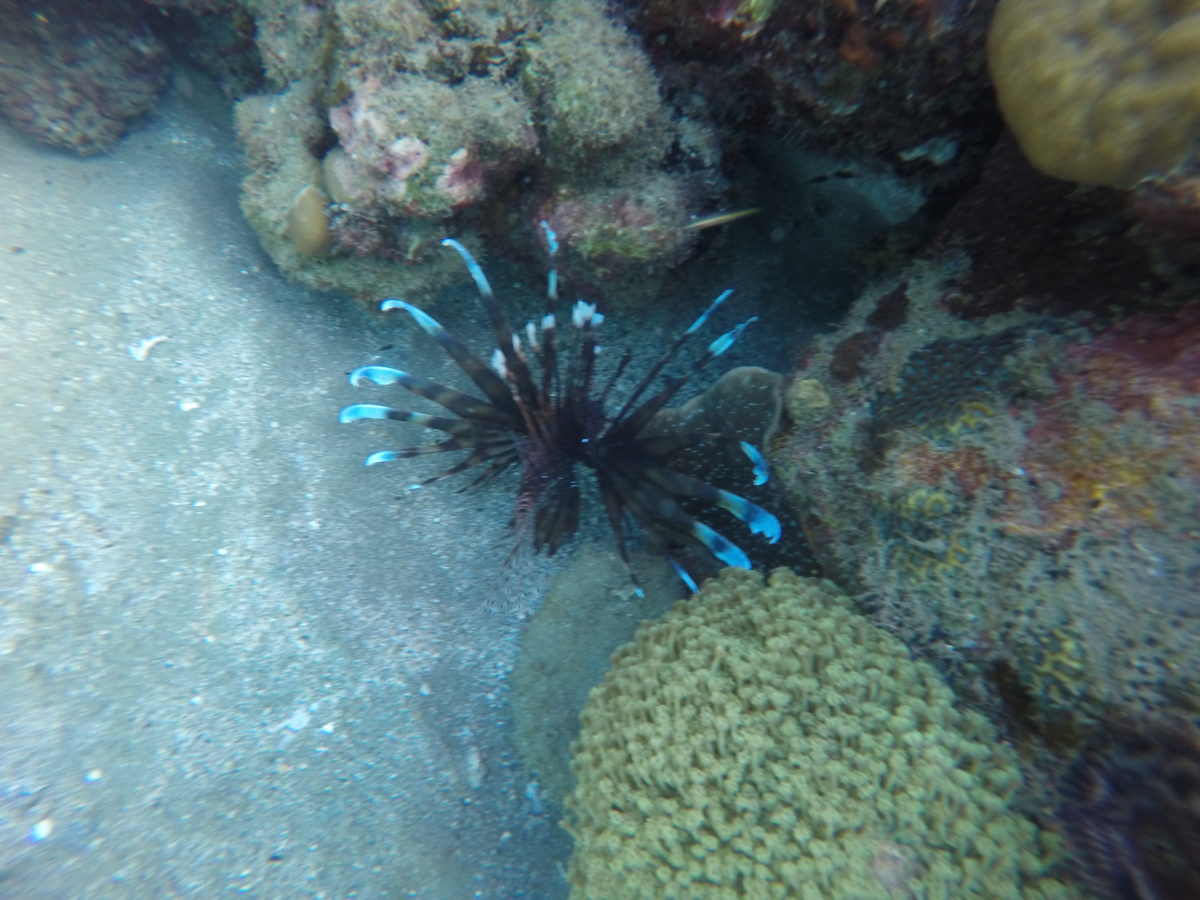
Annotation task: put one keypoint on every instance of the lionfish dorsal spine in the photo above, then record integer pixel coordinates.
(522, 389)
(653, 371)
(630, 423)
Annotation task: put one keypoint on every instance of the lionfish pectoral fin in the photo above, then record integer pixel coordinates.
(462, 405)
(678, 484)
(652, 503)
(492, 385)
(376, 375)
(757, 519)
(758, 461)
(381, 456)
(360, 412)
(720, 546)
(684, 575)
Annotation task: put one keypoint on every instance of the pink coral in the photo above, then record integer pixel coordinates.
(357, 123)
(462, 180)
(615, 230)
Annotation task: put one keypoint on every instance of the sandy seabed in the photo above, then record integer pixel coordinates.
(233, 661)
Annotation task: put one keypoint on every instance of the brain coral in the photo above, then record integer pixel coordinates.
(765, 740)
(1099, 91)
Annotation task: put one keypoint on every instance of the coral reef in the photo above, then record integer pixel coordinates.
(477, 119)
(1099, 91)
(74, 74)
(899, 83)
(997, 450)
(764, 739)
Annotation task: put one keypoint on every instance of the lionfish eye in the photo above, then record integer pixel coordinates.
(530, 411)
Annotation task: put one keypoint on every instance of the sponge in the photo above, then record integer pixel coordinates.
(1099, 92)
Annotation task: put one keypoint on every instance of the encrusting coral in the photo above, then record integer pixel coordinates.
(766, 740)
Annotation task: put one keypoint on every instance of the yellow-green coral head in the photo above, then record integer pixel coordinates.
(1099, 91)
(766, 740)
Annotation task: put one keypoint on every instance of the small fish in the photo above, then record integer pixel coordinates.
(715, 219)
(840, 173)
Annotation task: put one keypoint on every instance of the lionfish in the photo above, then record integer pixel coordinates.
(550, 422)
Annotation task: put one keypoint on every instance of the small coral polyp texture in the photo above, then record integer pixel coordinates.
(764, 739)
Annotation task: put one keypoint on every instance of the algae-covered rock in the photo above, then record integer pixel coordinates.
(76, 75)
(479, 119)
(766, 740)
(596, 88)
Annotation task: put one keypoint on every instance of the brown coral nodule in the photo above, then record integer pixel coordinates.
(308, 222)
(1130, 807)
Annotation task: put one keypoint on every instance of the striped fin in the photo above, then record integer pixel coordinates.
(457, 427)
(656, 511)
(684, 576)
(518, 369)
(453, 443)
(457, 402)
(757, 519)
(485, 379)
(761, 473)
(712, 308)
(481, 455)
(720, 546)
(499, 458)
(725, 341)
(631, 425)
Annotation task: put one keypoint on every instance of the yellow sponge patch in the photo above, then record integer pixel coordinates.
(1099, 91)
(766, 740)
